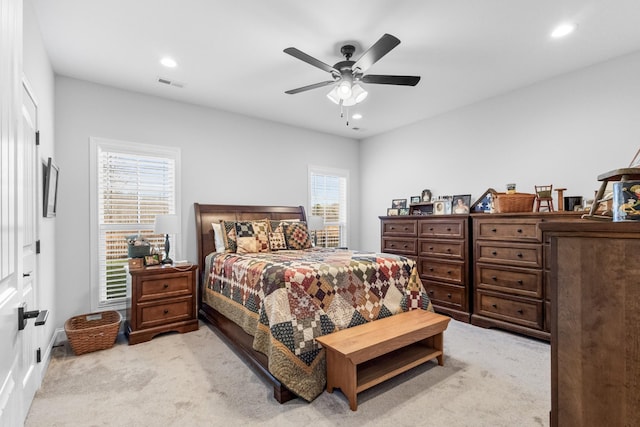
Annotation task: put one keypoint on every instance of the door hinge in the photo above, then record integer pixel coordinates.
(38, 355)
(37, 247)
(37, 137)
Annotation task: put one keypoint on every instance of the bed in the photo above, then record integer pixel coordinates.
(269, 306)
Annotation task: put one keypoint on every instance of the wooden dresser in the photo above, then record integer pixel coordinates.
(161, 299)
(440, 246)
(595, 323)
(509, 285)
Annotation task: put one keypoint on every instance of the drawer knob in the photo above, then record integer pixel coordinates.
(392, 227)
(448, 228)
(449, 250)
(406, 229)
(405, 246)
(430, 248)
(449, 296)
(392, 245)
(520, 282)
(494, 278)
(166, 285)
(166, 311)
(494, 230)
(431, 292)
(519, 255)
(494, 305)
(519, 230)
(520, 311)
(430, 228)
(430, 268)
(494, 253)
(449, 272)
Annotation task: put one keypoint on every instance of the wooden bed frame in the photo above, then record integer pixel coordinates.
(235, 336)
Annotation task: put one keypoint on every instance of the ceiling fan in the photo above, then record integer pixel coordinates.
(347, 74)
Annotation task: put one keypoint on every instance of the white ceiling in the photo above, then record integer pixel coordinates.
(230, 53)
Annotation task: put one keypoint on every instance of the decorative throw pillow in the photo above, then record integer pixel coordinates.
(297, 235)
(277, 242)
(252, 236)
(276, 224)
(229, 235)
(218, 237)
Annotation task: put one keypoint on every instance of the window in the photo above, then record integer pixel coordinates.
(130, 184)
(328, 200)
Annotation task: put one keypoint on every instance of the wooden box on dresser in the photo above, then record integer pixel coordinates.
(161, 299)
(595, 323)
(440, 246)
(510, 291)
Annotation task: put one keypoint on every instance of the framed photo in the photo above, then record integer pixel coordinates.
(461, 203)
(50, 175)
(403, 211)
(484, 202)
(399, 203)
(415, 199)
(393, 211)
(635, 163)
(442, 207)
(153, 259)
(426, 195)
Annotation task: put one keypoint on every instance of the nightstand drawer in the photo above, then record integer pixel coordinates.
(442, 248)
(165, 311)
(522, 255)
(164, 286)
(514, 309)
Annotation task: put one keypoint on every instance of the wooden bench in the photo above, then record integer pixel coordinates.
(360, 357)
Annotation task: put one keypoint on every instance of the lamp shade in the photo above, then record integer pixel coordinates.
(315, 222)
(166, 224)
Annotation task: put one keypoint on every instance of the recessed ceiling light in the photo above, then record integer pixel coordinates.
(563, 30)
(168, 62)
(356, 116)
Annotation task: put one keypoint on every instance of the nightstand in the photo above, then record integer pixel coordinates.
(161, 299)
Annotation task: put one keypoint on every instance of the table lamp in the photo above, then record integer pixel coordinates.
(166, 224)
(315, 223)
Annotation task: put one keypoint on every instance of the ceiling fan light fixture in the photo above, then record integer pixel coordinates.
(344, 89)
(333, 95)
(358, 93)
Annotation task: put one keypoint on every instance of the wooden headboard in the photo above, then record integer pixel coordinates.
(207, 214)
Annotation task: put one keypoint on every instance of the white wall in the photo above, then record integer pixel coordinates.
(39, 74)
(226, 159)
(564, 131)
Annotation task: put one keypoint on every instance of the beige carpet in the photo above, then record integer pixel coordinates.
(490, 378)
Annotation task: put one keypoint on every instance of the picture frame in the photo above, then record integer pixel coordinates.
(50, 177)
(484, 203)
(461, 204)
(393, 211)
(152, 259)
(426, 195)
(635, 162)
(399, 203)
(403, 211)
(442, 207)
(415, 199)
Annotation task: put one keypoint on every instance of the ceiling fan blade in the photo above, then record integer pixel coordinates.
(391, 80)
(296, 53)
(375, 52)
(309, 87)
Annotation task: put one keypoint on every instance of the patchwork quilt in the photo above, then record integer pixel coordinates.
(286, 299)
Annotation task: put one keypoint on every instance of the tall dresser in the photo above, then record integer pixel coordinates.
(510, 291)
(595, 323)
(440, 246)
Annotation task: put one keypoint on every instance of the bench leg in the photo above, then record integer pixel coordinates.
(351, 385)
(438, 344)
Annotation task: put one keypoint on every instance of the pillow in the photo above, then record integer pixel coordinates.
(252, 236)
(297, 235)
(277, 242)
(229, 235)
(276, 224)
(218, 238)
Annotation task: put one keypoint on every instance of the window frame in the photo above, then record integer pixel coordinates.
(336, 172)
(98, 144)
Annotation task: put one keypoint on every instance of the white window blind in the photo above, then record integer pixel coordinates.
(328, 199)
(133, 184)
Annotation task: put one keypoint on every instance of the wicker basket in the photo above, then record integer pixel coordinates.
(516, 202)
(92, 332)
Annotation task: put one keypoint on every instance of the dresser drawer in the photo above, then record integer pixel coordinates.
(442, 228)
(442, 248)
(518, 281)
(445, 295)
(438, 269)
(510, 309)
(398, 245)
(165, 311)
(164, 286)
(399, 228)
(525, 230)
(517, 254)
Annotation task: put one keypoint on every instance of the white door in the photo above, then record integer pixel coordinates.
(29, 375)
